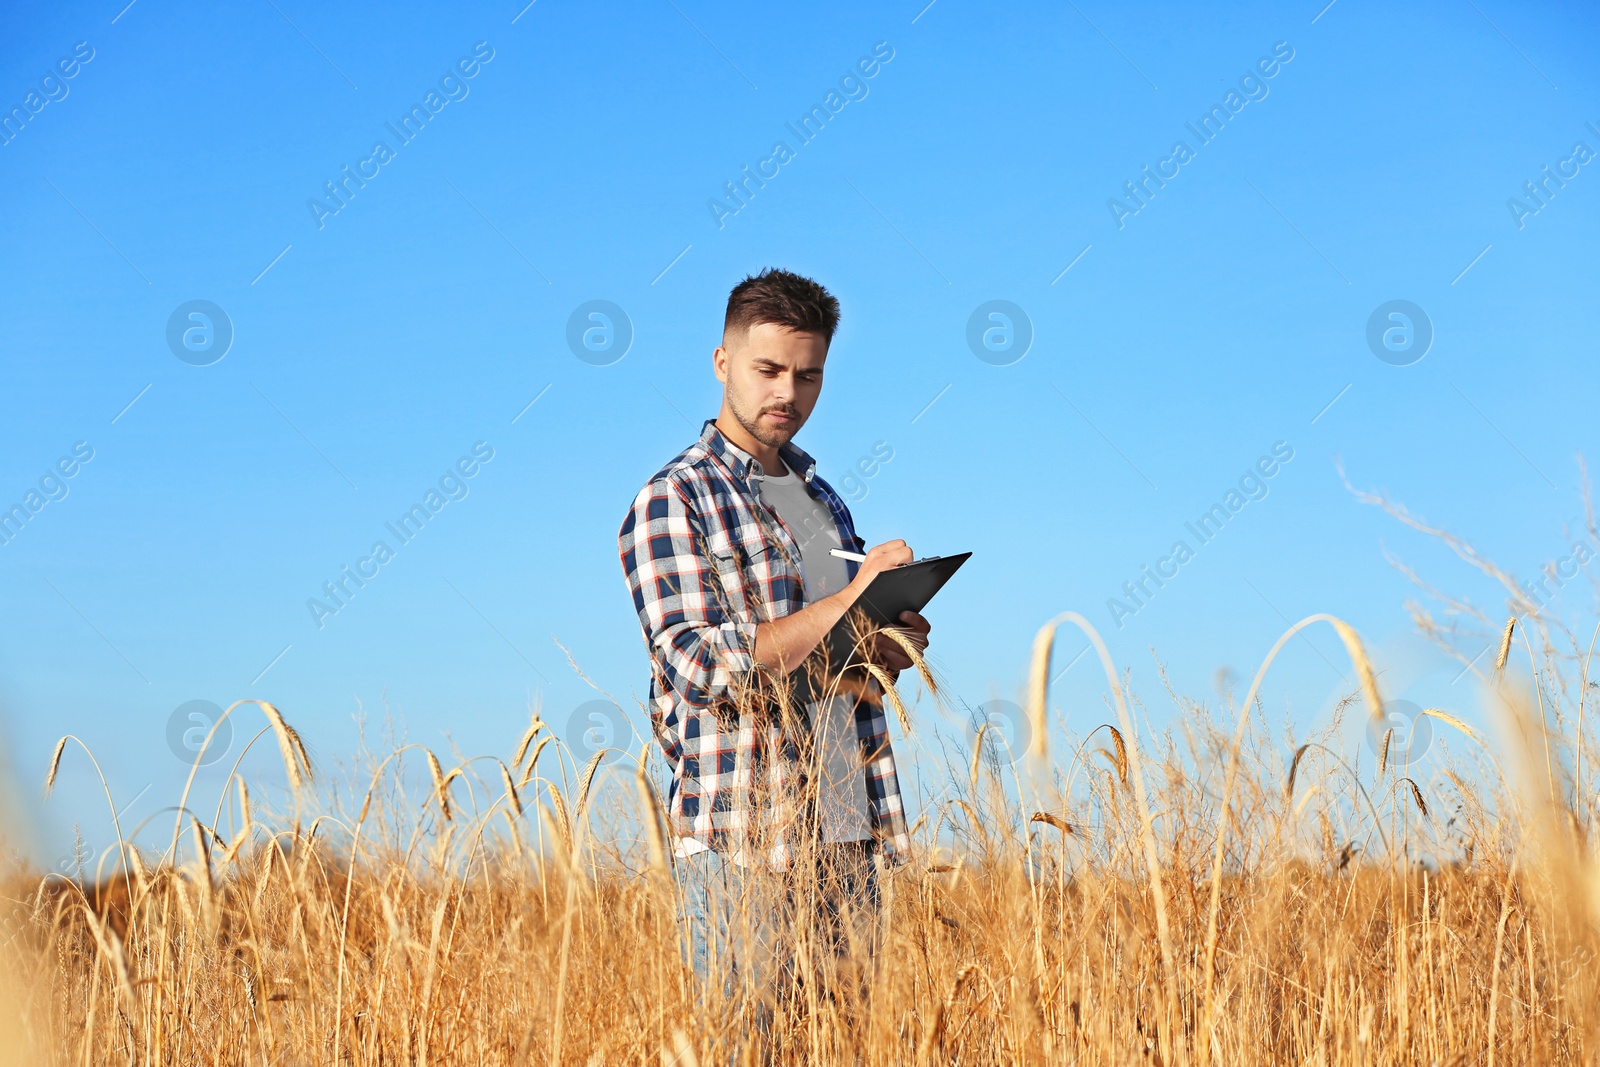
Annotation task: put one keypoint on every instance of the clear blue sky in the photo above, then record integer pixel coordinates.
(375, 346)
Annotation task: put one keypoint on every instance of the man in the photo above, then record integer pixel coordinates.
(778, 764)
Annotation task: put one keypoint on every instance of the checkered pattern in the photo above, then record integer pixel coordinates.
(706, 561)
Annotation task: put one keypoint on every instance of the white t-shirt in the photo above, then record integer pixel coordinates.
(812, 525)
(842, 799)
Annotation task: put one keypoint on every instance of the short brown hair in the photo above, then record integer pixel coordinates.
(785, 299)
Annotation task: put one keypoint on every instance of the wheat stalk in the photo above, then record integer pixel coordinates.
(1363, 666)
(246, 825)
(935, 1034)
(886, 684)
(441, 785)
(655, 832)
(535, 725)
(561, 820)
(1416, 794)
(527, 774)
(1294, 765)
(111, 950)
(1446, 717)
(977, 755)
(55, 766)
(1505, 645)
(296, 764)
(244, 805)
(1039, 690)
(511, 788)
(1121, 754)
(586, 780)
(1054, 820)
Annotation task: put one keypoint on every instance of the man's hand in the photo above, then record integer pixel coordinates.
(880, 558)
(886, 651)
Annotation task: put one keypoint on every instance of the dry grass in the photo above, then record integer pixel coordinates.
(1208, 896)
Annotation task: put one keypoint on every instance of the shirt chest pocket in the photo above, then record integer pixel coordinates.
(758, 582)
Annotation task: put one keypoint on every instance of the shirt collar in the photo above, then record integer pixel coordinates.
(743, 464)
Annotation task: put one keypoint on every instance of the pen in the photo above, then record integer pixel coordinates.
(855, 557)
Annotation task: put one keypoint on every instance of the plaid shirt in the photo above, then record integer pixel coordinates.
(706, 561)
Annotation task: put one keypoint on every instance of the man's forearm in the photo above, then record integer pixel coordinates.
(783, 644)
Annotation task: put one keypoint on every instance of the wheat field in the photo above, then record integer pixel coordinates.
(1213, 894)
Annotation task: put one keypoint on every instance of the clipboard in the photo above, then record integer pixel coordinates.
(905, 588)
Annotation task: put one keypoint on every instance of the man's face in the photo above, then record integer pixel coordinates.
(771, 378)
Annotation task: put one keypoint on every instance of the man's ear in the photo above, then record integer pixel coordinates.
(719, 363)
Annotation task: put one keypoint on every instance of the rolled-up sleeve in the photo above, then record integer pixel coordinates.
(702, 650)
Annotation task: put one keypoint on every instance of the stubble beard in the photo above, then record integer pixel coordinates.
(771, 436)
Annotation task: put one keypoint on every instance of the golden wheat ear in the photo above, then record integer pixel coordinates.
(535, 725)
(1294, 765)
(914, 654)
(886, 683)
(1446, 717)
(977, 755)
(1416, 794)
(558, 816)
(655, 829)
(1358, 657)
(55, 766)
(1053, 820)
(1039, 691)
(1505, 645)
(441, 785)
(586, 780)
(296, 764)
(510, 787)
(1122, 754)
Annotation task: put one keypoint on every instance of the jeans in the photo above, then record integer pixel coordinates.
(765, 936)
